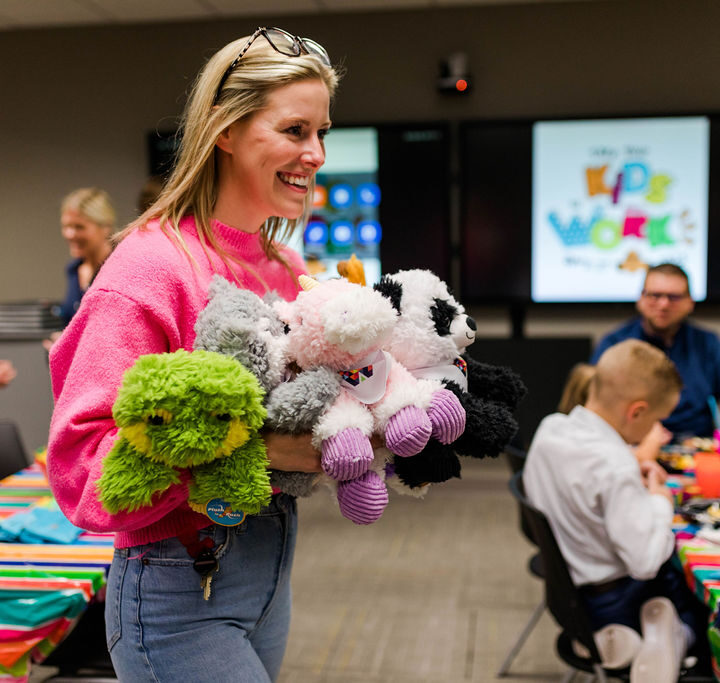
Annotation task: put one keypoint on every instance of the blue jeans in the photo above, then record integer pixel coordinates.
(159, 627)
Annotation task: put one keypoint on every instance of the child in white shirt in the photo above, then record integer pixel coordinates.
(611, 515)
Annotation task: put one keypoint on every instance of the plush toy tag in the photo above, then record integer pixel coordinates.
(367, 382)
(220, 512)
(455, 372)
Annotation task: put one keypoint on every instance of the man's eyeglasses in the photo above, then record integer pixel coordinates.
(656, 296)
(281, 41)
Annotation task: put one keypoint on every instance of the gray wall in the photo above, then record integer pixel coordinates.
(78, 102)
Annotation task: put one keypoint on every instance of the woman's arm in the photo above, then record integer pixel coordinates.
(104, 339)
(291, 452)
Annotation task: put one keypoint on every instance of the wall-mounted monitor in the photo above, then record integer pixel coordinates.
(567, 211)
(610, 197)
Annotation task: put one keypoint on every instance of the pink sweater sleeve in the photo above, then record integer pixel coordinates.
(106, 336)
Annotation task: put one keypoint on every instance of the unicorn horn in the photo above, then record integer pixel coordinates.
(307, 283)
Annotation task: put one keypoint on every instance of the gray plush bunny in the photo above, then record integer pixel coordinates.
(236, 323)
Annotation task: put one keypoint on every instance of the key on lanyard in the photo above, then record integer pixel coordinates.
(206, 565)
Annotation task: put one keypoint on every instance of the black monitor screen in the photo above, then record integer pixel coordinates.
(570, 211)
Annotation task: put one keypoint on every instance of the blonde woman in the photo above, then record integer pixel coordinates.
(87, 220)
(252, 142)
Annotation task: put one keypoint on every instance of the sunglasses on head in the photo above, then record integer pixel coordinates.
(281, 41)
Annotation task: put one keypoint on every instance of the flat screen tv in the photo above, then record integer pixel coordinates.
(572, 211)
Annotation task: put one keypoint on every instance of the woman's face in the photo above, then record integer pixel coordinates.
(84, 237)
(268, 160)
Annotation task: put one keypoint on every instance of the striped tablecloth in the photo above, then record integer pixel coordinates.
(44, 588)
(700, 560)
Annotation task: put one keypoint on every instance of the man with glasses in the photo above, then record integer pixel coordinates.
(664, 306)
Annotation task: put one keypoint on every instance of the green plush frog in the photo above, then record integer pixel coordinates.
(198, 411)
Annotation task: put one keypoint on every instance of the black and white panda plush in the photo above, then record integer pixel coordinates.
(430, 339)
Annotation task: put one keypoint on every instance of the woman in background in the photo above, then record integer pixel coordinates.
(252, 142)
(87, 220)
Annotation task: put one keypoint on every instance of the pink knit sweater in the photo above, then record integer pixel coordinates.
(145, 299)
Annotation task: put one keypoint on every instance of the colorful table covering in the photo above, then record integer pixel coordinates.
(700, 560)
(44, 587)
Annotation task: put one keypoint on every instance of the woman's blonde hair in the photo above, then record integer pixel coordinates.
(192, 185)
(577, 387)
(92, 203)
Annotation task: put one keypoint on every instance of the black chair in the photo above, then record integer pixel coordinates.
(561, 594)
(563, 601)
(516, 459)
(12, 452)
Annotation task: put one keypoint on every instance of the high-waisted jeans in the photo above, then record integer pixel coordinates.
(159, 627)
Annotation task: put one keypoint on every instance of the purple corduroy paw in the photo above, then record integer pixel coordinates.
(346, 455)
(364, 499)
(447, 416)
(408, 431)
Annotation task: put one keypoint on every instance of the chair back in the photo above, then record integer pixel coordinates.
(515, 457)
(12, 452)
(561, 594)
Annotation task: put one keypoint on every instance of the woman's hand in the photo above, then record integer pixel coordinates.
(292, 453)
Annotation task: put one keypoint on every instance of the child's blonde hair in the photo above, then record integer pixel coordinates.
(635, 370)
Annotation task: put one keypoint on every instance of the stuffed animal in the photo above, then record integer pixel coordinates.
(430, 338)
(352, 270)
(343, 326)
(238, 323)
(188, 411)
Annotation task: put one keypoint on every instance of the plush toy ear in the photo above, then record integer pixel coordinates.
(352, 270)
(390, 289)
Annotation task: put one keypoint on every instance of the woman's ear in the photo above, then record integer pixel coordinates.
(224, 140)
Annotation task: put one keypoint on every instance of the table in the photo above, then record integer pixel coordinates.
(699, 558)
(44, 588)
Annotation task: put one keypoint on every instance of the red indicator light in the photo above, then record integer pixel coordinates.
(461, 84)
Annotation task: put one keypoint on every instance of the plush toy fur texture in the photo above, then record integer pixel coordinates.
(240, 324)
(187, 410)
(338, 325)
(432, 331)
(330, 328)
(335, 324)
